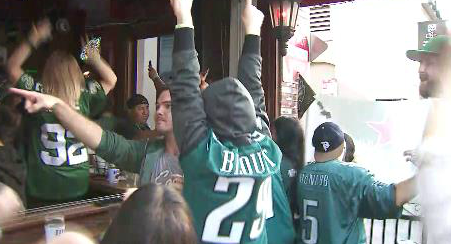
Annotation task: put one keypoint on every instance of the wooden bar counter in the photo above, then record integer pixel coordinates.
(93, 215)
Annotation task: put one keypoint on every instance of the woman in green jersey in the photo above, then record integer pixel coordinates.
(57, 163)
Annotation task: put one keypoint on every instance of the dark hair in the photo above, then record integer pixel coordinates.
(165, 78)
(3, 75)
(136, 99)
(161, 89)
(152, 214)
(350, 149)
(9, 123)
(290, 139)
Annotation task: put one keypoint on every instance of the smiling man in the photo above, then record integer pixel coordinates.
(430, 56)
(135, 125)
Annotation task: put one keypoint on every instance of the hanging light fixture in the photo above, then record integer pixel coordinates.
(284, 17)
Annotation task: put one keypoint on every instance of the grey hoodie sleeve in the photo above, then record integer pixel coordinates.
(188, 115)
(249, 74)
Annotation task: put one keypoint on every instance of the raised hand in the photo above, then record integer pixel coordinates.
(92, 53)
(34, 101)
(152, 72)
(40, 32)
(182, 11)
(203, 79)
(252, 19)
(412, 156)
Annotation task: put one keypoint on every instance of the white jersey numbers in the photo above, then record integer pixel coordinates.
(242, 197)
(57, 151)
(312, 236)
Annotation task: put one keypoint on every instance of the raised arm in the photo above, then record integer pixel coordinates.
(250, 64)
(38, 34)
(110, 146)
(157, 81)
(189, 118)
(98, 64)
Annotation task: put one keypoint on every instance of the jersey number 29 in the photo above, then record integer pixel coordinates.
(62, 154)
(243, 194)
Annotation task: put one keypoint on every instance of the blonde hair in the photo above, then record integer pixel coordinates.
(62, 77)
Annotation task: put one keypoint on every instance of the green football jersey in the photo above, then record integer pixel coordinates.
(228, 188)
(57, 164)
(279, 227)
(333, 197)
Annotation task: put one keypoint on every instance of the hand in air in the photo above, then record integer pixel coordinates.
(34, 101)
(203, 79)
(92, 52)
(41, 32)
(252, 19)
(152, 73)
(412, 156)
(182, 11)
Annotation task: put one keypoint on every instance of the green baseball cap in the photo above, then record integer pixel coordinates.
(433, 46)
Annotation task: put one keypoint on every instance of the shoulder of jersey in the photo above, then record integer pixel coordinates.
(93, 86)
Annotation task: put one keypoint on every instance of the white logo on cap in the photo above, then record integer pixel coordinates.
(325, 145)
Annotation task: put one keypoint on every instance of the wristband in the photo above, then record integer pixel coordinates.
(179, 26)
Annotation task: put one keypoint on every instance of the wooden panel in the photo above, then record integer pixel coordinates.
(30, 229)
(212, 36)
(136, 10)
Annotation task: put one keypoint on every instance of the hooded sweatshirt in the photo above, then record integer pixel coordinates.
(226, 153)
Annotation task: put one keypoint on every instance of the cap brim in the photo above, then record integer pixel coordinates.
(327, 156)
(415, 55)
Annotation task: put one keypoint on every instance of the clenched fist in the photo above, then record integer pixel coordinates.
(252, 19)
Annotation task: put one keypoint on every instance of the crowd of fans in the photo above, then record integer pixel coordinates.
(212, 171)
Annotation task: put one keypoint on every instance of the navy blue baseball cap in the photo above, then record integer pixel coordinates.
(327, 137)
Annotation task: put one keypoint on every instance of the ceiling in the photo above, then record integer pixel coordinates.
(97, 11)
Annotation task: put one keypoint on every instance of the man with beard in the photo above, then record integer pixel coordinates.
(429, 71)
(433, 157)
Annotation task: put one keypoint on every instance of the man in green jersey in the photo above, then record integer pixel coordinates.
(57, 163)
(279, 225)
(226, 152)
(229, 167)
(333, 196)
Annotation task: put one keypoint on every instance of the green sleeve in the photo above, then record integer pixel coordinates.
(126, 129)
(27, 82)
(98, 100)
(108, 123)
(125, 154)
(377, 199)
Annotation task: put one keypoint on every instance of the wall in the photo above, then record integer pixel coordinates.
(147, 49)
(320, 71)
(370, 39)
